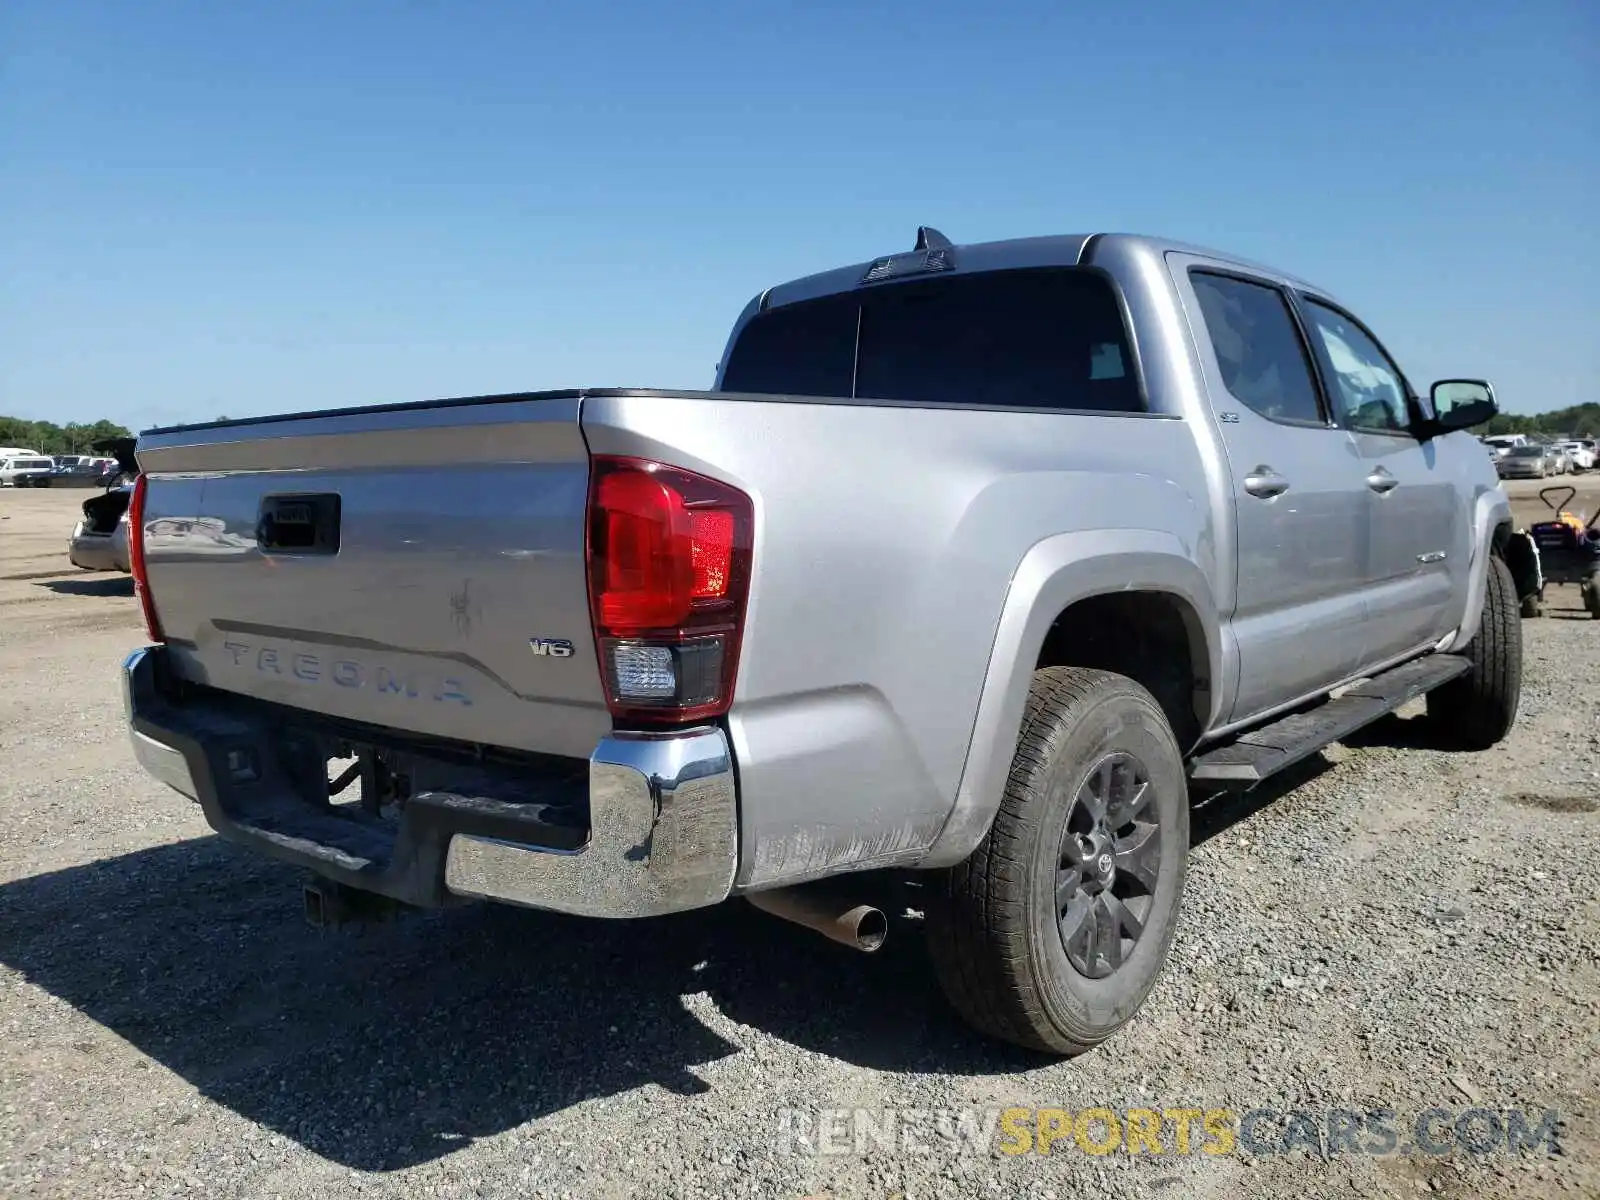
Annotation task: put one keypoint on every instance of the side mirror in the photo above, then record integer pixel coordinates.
(1461, 404)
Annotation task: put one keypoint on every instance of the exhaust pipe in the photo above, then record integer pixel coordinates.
(859, 926)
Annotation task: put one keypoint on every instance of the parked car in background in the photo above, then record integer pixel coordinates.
(99, 540)
(22, 470)
(1501, 442)
(86, 473)
(1580, 454)
(1527, 461)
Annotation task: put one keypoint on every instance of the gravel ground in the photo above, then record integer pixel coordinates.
(1393, 928)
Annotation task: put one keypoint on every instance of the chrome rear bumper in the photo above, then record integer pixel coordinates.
(663, 836)
(662, 816)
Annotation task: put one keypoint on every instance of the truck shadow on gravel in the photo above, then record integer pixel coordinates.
(402, 1043)
(1216, 813)
(1212, 814)
(116, 585)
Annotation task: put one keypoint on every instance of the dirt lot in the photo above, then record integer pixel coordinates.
(1394, 928)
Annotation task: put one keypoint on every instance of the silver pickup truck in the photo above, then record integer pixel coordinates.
(979, 560)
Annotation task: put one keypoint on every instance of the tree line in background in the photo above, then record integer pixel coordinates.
(1581, 420)
(50, 438)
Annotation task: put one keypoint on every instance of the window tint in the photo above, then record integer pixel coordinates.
(805, 349)
(1259, 351)
(1367, 387)
(1040, 338)
(1027, 339)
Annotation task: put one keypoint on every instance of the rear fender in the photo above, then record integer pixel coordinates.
(1055, 574)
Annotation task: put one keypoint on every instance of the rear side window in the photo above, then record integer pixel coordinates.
(1259, 351)
(805, 349)
(1038, 338)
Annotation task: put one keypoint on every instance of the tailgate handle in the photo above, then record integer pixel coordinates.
(299, 524)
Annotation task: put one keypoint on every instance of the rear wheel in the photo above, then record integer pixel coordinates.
(1591, 595)
(1531, 607)
(1477, 709)
(1053, 932)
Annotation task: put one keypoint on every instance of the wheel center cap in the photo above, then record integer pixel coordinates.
(1099, 861)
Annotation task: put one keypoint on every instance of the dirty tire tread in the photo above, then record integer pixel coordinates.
(979, 945)
(1477, 709)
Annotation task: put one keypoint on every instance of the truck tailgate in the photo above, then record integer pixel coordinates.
(418, 567)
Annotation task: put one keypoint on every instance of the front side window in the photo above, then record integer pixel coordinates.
(1035, 338)
(1368, 389)
(1259, 351)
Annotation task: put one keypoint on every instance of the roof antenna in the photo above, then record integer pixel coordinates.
(929, 238)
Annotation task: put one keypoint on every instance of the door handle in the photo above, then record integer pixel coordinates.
(1381, 481)
(1265, 483)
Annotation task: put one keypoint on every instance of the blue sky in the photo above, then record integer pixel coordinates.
(243, 208)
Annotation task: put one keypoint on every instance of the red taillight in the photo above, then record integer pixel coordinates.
(141, 580)
(711, 553)
(669, 570)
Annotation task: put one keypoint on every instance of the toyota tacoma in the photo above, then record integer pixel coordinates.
(976, 561)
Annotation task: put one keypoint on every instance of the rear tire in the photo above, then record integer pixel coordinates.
(1477, 709)
(1591, 595)
(1531, 607)
(1053, 932)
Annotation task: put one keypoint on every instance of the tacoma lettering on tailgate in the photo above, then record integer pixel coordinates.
(345, 672)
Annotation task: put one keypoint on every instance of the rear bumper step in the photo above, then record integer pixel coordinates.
(653, 828)
(1265, 751)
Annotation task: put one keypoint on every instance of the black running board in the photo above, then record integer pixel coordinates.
(1251, 757)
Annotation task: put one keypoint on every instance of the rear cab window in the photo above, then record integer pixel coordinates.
(1044, 337)
(1260, 355)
